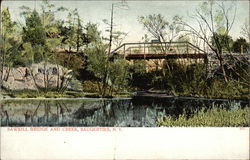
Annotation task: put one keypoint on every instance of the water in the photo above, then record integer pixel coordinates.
(136, 112)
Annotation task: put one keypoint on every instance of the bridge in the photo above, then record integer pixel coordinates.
(160, 50)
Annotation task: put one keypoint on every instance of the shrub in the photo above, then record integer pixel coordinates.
(90, 86)
(215, 117)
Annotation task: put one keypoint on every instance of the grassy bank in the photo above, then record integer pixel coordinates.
(214, 117)
(54, 94)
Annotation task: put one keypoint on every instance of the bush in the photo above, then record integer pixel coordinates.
(214, 117)
(75, 84)
(90, 86)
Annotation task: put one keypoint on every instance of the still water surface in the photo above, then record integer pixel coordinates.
(135, 112)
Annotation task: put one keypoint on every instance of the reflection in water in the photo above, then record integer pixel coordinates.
(135, 112)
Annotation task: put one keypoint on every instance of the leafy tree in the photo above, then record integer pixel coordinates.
(110, 74)
(72, 61)
(118, 75)
(93, 35)
(71, 31)
(97, 59)
(222, 42)
(50, 25)
(9, 43)
(241, 45)
(34, 32)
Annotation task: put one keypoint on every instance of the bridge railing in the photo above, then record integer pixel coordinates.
(157, 48)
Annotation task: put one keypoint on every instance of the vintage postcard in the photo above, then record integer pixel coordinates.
(124, 79)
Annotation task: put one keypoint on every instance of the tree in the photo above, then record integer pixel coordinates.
(120, 5)
(109, 74)
(245, 30)
(160, 28)
(93, 35)
(118, 75)
(213, 18)
(34, 32)
(71, 31)
(222, 42)
(9, 43)
(241, 46)
(99, 55)
(97, 64)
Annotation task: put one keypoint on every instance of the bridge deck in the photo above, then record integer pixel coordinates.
(165, 56)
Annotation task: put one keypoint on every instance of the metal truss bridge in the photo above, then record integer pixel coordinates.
(160, 50)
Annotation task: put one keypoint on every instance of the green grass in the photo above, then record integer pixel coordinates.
(214, 117)
(54, 94)
(49, 94)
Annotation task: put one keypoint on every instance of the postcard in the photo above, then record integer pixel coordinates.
(124, 79)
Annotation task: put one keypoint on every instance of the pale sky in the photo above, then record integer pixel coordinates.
(127, 20)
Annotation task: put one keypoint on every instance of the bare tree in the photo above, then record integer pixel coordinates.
(245, 30)
(117, 35)
(160, 28)
(214, 19)
(163, 31)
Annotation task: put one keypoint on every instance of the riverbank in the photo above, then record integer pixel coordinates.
(54, 94)
(162, 94)
(77, 94)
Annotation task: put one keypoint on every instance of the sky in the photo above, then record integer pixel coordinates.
(126, 20)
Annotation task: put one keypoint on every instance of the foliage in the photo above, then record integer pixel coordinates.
(90, 86)
(97, 59)
(93, 35)
(75, 84)
(159, 27)
(34, 32)
(238, 69)
(109, 73)
(241, 46)
(49, 94)
(9, 44)
(118, 74)
(214, 117)
(70, 60)
(71, 31)
(98, 64)
(43, 35)
(9, 41)
(215, 23)
(222, 42)
(138, 77)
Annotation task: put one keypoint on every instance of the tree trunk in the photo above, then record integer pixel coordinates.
(44, 76)
(99, 88)
(32, 75)
(6, 76)
(111, 30)
(221, 61)
(58, 78)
